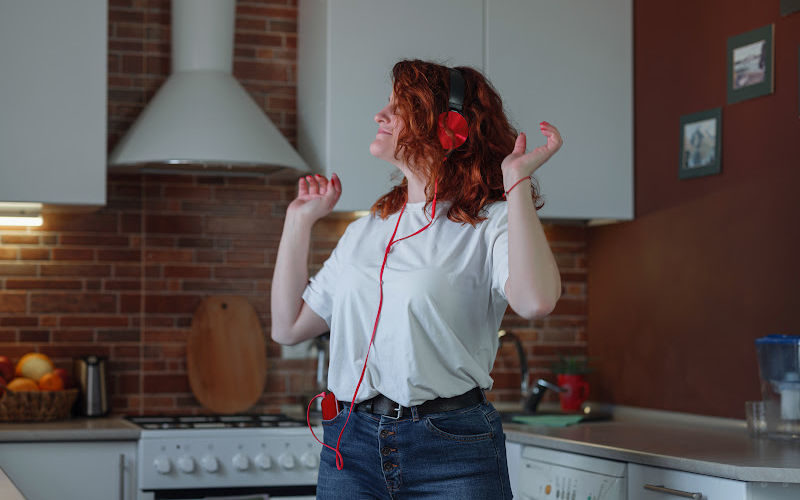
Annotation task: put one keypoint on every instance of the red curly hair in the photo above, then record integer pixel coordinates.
(471, 177)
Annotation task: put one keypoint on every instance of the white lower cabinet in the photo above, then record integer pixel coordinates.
(655, 483)
(71, 470)
(546, 474)
(514, 460)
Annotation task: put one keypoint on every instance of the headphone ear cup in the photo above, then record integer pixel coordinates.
(454, 121)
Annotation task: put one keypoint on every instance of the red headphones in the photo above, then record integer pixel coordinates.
(453, 127)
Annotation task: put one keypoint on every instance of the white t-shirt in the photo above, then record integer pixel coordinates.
(443, 302)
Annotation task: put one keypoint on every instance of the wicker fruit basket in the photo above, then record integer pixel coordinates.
(36, 406)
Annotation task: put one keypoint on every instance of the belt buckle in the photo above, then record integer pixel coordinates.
(399, 411)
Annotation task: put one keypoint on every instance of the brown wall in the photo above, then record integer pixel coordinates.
(124, 282)
(677, 296)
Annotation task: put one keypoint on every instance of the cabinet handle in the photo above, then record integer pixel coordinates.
(670, 491)
(121, 476)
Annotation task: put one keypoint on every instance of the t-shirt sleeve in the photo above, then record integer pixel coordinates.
(498, 237)
(318, 294)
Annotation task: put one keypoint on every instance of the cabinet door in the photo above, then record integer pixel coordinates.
(92, 470)
(570, 63)
(53, 101)
(346, 53)
(653, 483)
(514, 460)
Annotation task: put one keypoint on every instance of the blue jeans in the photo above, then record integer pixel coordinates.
(455, 454)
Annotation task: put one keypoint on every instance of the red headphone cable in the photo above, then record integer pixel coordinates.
(392, 241)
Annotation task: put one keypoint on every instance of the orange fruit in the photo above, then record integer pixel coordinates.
(51, 382)
(22, 384)
(33, 365)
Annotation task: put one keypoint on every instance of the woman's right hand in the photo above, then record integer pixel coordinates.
(316, 197)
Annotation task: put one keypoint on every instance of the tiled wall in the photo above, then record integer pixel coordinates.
(124, 281)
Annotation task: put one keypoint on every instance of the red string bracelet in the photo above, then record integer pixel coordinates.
(515, 185)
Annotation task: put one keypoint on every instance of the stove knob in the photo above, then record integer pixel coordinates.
(186, 464)
(240, 461)
(162, 464)
(287, 461)
(209, 463)
(310, 460)
(263, 460)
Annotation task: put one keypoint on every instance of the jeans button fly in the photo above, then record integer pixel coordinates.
(384, 433)
(385, 451)
(387, 466)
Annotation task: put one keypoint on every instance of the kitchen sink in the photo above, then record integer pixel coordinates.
(554, 417)
(589, 413)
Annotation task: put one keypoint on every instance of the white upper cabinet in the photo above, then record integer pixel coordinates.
(53, 101)
(566, 62)
(346, 52)
(570, 63)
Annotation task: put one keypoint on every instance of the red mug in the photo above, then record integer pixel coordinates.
(575, 393)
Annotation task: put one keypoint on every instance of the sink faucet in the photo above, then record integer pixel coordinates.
(523, 360)
(530, 402)
(538, 391)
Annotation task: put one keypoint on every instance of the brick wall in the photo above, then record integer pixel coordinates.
(123, 282)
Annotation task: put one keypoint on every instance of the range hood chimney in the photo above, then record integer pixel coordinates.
(202, 119)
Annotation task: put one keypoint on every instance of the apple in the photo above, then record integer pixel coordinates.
(6, 368)
(66, 377)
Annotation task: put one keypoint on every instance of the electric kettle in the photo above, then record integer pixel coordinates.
(90, 375)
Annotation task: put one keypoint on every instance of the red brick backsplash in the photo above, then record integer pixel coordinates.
(123, 282)
(89, 284)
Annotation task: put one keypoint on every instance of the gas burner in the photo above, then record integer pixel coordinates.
(178, 422)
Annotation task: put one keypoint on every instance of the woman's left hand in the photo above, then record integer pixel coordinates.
(519, 164)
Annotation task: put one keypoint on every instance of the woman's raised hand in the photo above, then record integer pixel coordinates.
(520, 164)
(316, 197)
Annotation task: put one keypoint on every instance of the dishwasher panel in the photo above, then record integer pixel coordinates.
(549, 475)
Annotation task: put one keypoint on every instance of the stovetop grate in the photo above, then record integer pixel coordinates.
(270, 420)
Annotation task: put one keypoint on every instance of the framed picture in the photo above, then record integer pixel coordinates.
(750, 64)
(701, 144)
(789, 6)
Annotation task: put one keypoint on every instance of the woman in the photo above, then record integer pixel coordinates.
(427, 277)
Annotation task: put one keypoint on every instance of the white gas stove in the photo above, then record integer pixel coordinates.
(205, 456)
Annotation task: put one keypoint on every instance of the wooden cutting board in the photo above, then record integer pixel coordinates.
(226, 355)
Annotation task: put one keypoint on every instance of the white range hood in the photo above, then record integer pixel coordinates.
(202, 119)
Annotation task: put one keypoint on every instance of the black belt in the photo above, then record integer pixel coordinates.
(381, 405)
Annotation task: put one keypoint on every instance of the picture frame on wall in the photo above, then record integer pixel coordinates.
(789, 7)
(750, 64)
(701, 144)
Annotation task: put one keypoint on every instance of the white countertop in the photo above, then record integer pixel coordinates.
(74, 429)
(703, 445)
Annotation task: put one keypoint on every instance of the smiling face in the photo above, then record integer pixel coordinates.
(389, 127)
